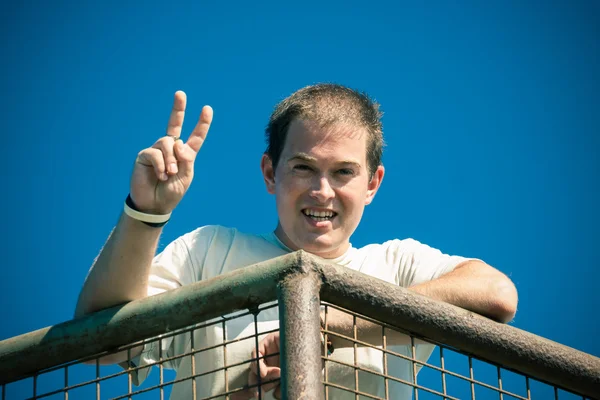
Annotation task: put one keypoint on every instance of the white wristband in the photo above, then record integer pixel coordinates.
(140, 216)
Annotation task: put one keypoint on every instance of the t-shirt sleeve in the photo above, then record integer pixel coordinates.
(172, 268)
(179, 264)
(417, 263)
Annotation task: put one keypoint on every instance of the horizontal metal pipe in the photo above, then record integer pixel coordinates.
(106, 330)
(466, 331)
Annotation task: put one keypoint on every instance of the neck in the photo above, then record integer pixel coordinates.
(328, 253)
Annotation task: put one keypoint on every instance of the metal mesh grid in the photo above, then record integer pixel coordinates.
(76, 380)
(396, 370)
(298, 280)
(446, 373)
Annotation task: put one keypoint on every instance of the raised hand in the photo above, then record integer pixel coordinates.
(163, 172)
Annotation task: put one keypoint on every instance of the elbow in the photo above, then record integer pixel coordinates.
(505, 300)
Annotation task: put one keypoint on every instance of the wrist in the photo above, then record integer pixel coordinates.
(152, 220)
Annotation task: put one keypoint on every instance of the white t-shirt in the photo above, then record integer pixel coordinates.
(210, 251)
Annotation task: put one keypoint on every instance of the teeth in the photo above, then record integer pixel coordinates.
(319, 215)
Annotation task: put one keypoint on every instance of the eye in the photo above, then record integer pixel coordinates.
(302, 168)
(346, 171)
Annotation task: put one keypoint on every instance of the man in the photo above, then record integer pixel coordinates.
(323, 164)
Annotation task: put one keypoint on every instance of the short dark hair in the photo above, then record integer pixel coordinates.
(327, 104)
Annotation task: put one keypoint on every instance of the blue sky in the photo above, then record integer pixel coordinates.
(492, 123)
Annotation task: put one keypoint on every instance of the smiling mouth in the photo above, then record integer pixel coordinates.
(319, 216)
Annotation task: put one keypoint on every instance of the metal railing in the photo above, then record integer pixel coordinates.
(471, 356)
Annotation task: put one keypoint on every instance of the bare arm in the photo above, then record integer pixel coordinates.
(120, 272)
(475, 286)
(472, 285)
(161, 176)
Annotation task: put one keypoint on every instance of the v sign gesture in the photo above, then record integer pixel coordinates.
(163, 172)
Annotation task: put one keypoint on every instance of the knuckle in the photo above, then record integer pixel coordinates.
(164, 143)
(152, 152)
(145, 154)
(154, 155)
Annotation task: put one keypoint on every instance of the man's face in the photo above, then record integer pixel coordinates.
(321, 186)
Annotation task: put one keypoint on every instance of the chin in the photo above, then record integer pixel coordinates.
(320, 246)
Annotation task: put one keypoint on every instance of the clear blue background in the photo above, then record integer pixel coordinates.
(491, 122)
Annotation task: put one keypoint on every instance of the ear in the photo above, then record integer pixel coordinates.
(266, 165)
(374, 184)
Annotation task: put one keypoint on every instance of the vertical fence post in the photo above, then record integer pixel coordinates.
(300, 343)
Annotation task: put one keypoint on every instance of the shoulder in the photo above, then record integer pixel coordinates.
(210, 234)
(400, 260)
(216, 249)
(208, 231)
(219, 237)
(384, 260)
(393, 247)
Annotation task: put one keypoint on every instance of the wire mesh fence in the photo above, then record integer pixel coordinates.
(390, 347)
(377, 361)
(407, 366)
(181, 364)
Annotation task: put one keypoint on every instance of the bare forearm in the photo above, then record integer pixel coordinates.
(474, 286)
(120, 272)
(477, 287)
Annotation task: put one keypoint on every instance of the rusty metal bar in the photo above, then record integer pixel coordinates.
(443, 371)
(225, 371)
(472, 378)
(258, 356)
(117, 326)
(129, 377)
(300, 325)
(355, 346)
(97, 379)
(466, 331)
(325, 366)
(193, 360)
(161, 380)
(66, 397)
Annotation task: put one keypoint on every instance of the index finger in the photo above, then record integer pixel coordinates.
(262, 365)
(199, 133)
(177, 114)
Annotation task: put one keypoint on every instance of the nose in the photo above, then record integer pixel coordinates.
(322, 190)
